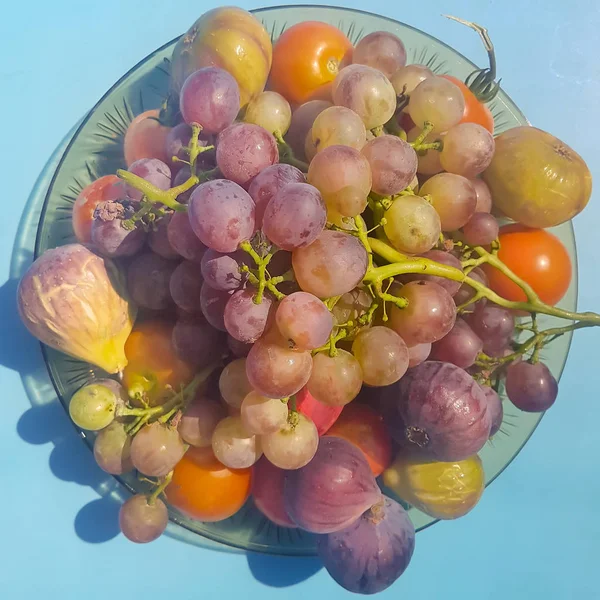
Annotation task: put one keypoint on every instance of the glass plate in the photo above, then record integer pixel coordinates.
(96, 150)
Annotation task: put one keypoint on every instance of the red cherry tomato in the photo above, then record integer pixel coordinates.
(322, 415)
(475, 111)
(362, 426)
(103, 189)
(537, 257)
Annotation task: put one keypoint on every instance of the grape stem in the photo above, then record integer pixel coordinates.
(402, 265)
(154, 194)
(261, 278)
(330, 345)
(160, 488)
(427, 129)
(286, 154)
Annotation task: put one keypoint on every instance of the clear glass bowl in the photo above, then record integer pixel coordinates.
(96, 150)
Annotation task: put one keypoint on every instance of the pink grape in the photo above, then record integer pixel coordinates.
(243, 318)
(453, 197)
(267, 491)
(438, 101)
(468, 150)
(183, 239)
(304, 321)
(270, 181)
(262, 415)
(429, 316)
(351, 306)
(366, 91)
(484, 196)
(148, 280)
(156, 449)
(382, 355)
(235, 447)
(233, 383)
(185, 285)
(196, 342)
(294, 445)
(335, 263)
(495, 408)
(295, 216)
(221, 215)
(199, 420)
(481, 229)
(302, 120)
(393, 164)
(152, 170)
(112, 449)
(142, 521)
(460, 346)
(333, 490)
(222, 271)
(276, 371)
(343, 176)
(335, 126)
(418, 354)
(407, 78)
(335, 380)
(444, 258)
(370, 554)
(381, 50)
(158, 238)
(210, 97)
(244, 150)
(531, 387)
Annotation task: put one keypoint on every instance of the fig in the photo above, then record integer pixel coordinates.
(438, 411)
(75, 301)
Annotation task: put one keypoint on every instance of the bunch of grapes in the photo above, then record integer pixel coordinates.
(295, 261)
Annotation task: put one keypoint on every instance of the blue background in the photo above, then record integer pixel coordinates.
(536, 532)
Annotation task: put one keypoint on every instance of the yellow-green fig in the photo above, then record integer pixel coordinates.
(75, 301)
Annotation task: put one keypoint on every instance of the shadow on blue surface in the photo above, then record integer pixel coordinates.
(282, 571)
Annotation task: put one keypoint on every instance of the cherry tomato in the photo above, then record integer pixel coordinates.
(475, 111)
(322, 415)
(206, 490)
(146, 138)
(535, 255)
(152, 362)
(103, 189)
(362, 426)
(306, 58)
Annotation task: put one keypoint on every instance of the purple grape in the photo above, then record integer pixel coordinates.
(295, 216)
(152, 170)
(210, 97)
(221, 215)
(370, 554)
(333, 490)
(212, 304)
(112, 449)
(110, 237)
(156, 449)
(178, 138)
(200, 420)
(481, 229)
(244, 150)
(438, 411)
(267, 491)
(182, 238)
(466, 292)
(158, 238)
(148, 280)
(418, 354)
(460, 346)
(494, 408)
(181, 177)
(445, 258)
(185, 285)
(268, 182)
(492, 323)
(237, 348)
(222, 271)
(196, 342)
(245, 320)
(484, 196)
(531, 387)
(141, 521)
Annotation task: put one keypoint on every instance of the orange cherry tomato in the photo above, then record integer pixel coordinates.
(152, 362)
(103, 189)
(206, 490)
(362, 426)
(146, 138)
(306, 59)
(475, 111)
(537, 257)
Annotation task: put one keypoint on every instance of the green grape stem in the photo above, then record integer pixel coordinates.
(154, 194)
(260, 277)
(403, 265)
(286, 154)
(427, 129)
(160, 488)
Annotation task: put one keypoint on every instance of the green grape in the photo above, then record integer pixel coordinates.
(271, 111)
(93, 406)
(438, 101)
